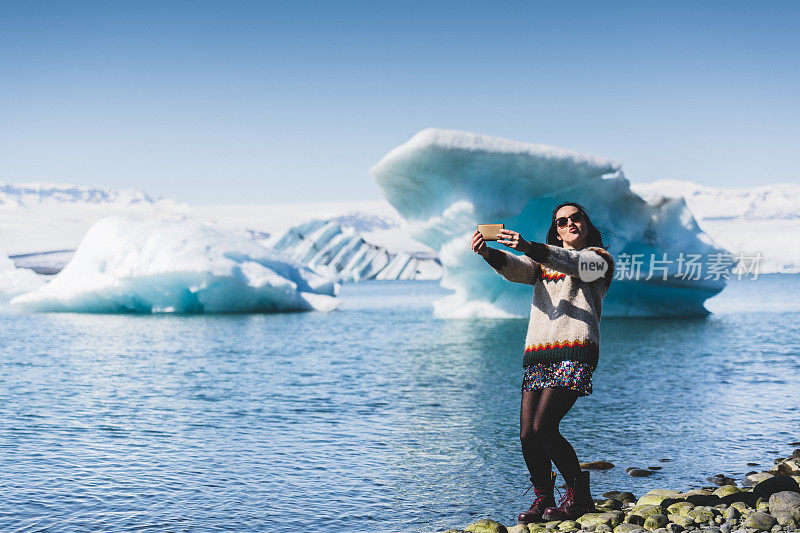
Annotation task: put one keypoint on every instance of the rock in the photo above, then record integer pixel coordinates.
(627, 528)
(701, 515)
(519, 528)
(569, 525)
(785, 502)
(612, 504)
(593, 519)
(786, 520)
(552, 525)
(666, 492)
(597, 465)
(646, 510)
(726, 490)
(752, 464)
(680, 508)
(603, 528)
(661, 530)
(486, 525)
(454, 531)
(655, 467)
(619, 516)
(746, 497)
(754, 479)
(796, 453)
(740, 506)
(693, 492)
(638, 472)
(633, 519)
(725, 527)
(670, 501)
(674, 528)
(684, 522)
(655, 497)
(625, 497)
(768, 487)
(611, 494)
(703, 499)
(760, 521)
(722, 479)
(787, 467)
(655, 521)
(731, 513)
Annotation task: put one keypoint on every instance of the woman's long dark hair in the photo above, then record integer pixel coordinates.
(593, 238)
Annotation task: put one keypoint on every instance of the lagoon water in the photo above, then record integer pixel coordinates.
(375, 417)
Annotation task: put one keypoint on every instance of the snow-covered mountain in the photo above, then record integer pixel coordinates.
(35, 194)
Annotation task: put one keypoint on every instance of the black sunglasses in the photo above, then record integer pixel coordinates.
(561, 222)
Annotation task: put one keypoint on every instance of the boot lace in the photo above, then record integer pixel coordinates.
(540, 493)
(567, 499)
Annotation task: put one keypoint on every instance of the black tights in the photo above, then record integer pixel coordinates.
(540, 414)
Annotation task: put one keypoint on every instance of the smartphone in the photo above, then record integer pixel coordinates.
(489, 231)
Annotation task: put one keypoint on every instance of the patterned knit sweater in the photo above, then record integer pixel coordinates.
(565, 313)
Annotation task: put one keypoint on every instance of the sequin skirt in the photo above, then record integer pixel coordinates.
(570, 374)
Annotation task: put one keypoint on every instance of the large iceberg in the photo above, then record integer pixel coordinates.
(175, 265)
(445, 182)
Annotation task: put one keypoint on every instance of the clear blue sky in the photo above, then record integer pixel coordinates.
(269, 102)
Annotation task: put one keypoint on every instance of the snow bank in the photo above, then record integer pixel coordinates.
(14, 280)
(445, 182)
(169, 265)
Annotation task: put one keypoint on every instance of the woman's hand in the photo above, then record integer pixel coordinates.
(478, 244)
(512, 239)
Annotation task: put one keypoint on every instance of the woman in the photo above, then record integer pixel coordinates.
(570, 275)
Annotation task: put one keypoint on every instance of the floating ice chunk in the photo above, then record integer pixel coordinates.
(445, 182)
(15, 280)
(342, 252)
(169, 265)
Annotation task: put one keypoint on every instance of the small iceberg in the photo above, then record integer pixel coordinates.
(176, 265)
(14, 281)
(328, 246)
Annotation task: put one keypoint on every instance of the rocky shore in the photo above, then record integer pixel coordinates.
(765, 502)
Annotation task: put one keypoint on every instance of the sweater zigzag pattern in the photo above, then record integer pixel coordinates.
(565, 313)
